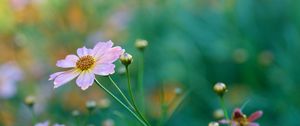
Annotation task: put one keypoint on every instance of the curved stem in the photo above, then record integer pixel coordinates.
(224, 108)
(132, 98)
(120, 102)
(245, 103)
(123, 95)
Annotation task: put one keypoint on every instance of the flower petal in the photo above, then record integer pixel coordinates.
(101, 47)
(234, 124)
(65, 77)
(8, 88)
(253, 124)
(46, 123)
(104, 69)
(237, 113)
(84, 51)
(69, 61)
(85, 80)
(53, 76)
(224, 121)
(255, 116)
(58, 124)
(111, 55)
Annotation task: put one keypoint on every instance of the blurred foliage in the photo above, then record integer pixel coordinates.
(251, 45)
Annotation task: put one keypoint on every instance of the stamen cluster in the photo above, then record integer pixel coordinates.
(85, 62)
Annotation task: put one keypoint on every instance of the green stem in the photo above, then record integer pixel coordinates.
(173, 101)
(34, 119)
(123, 95)
(120, 102)
(177, 103)
(87, 118)
(140, 81)
(245, 103)
(164, 113)
(132, 98)
(164, 107)
(224, 108)
(77, 121)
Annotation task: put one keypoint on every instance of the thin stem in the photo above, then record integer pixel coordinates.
(173, 101)
(34, 119)
(164, 113)
(129, 86)
(177, 103)
(87, 118)
(132, 98)
(120, 102)
(224, 108)
(141, 80)
(164, 106)
(77, 121)
(123, 95)
(245, 103)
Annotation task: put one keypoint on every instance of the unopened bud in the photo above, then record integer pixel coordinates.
(218, 113)
(141, 44)
(220, 88)
(178, 91)
(108, 122)
(90, 105)
(29, 101)
(126, 59)
(104, 103)
(213, 124)
(75, 113)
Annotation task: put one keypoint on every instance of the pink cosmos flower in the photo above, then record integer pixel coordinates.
(240, 119)
(89, 62)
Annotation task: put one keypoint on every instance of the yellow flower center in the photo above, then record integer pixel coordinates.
(241, 120)
(85, 62)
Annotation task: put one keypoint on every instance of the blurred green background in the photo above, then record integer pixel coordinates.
(251, 45)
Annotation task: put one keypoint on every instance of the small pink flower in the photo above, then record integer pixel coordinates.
(46, 123)
(240, 119)
(19, 4)
(11, 73)
(89, 62)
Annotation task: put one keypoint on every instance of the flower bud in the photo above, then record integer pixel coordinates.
(213, 124)
(90, 105)
(178, 91)
(141, 44)
(126, 59)
(29, 101)
(220, 88)
(108, 122)
(104, 103)
(218, 114)
(75, 113)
